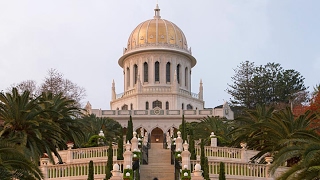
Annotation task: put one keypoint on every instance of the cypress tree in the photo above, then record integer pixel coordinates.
(90, 174)
(183, 129)
(120, 147)
(109, 162)
(191, 147)
(222, 174)
(129, 134)
(204, 162)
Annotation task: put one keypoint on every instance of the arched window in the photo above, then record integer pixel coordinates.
(189, 106)
(147, 105)
(124, 107)
(145, 72)
(128, 77)
(168, 72)
(156, 104)
(131, 106)
(167, 105)
(156, 71)
(186, 77)
(178, 73)
(135, 71)
(182, 106)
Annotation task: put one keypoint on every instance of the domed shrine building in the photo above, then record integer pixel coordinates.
(157, 64)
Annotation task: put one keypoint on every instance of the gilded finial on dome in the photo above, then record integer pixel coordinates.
(157, 12)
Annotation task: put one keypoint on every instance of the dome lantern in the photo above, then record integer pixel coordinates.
(157, 12)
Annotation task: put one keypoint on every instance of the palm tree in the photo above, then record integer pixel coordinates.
(264, 129)
(111, 128)
(41, 124)
(14, 164)
(219, 126)
(248, 127)
(64, 113)
(21, 115)
(306, 146)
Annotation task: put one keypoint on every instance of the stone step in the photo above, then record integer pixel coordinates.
(161, 172)
(159, 164)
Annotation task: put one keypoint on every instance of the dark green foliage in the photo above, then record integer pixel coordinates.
(183, 129)
(120, 148)
(188, 177)
(204, 161)
(269, 84)
(111, 128)
(129, 135)
(91, 170)
(206, 169)
(222, 173)
(266, 130)
(192, 147)
(94, 141)
(42, 123)
(14, 164)
(125, 177)
(109, 162)
(220, 127)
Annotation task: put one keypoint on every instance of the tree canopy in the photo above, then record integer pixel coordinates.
(55, 83)
(268, 84)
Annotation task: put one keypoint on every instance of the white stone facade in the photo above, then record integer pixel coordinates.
(157, 65)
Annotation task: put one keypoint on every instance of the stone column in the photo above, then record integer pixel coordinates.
(43, 166)
(213, 140)
(179, 142)
(197, 173)
(168, 139)
(116, 173)
(244, 157)
(134, 142)
(127, 157)
(269, 160)
(69, 153)
(186, 156)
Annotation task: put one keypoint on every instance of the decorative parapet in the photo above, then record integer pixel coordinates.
(86, 154)
(222, 153)
(77, 171)
(194, 114)
(235, 170)
(117, 113)
(155, 90)
(157, 46)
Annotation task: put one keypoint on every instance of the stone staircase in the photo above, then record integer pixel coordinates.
(159, 164)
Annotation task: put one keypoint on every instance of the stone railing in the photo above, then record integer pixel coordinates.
(238, 170)
(226, 153)
(80, 155)
(76, 171)
(91, 153)
(153, 45)
(156, 90)
(178, 113)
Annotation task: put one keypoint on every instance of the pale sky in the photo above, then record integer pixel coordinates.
(83, 39)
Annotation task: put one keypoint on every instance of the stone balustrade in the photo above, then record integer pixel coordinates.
(222, 152)
(91, 153)
(154, 90)
(78, 170)
(226, 153)
(152, 46)
(236, 170)
(141, 113)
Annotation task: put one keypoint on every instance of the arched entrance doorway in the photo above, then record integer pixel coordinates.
(156, 135)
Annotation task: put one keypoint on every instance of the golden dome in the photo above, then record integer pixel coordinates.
(156, 34)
